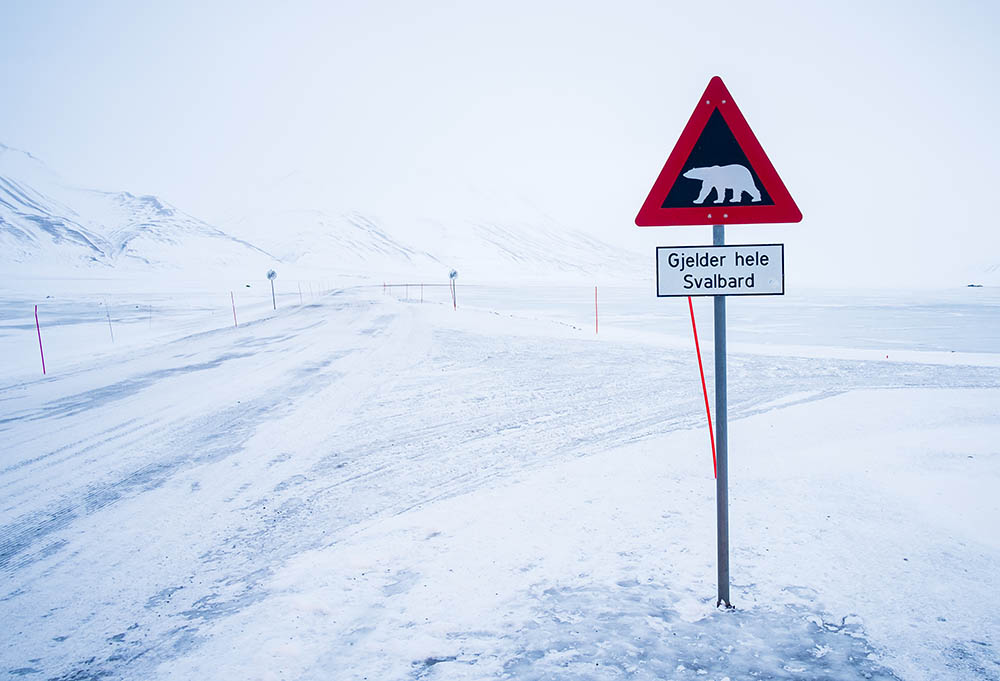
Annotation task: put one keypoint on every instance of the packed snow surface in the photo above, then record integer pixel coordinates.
(363, 485)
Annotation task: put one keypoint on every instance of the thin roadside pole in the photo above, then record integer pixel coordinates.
(704, 388)
(39, 329)
(233, 300)
(107, 311)
(722, 436)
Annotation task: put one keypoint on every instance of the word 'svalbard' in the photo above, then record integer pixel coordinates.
(720, 270)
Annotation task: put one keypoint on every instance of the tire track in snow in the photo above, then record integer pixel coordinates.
(193, 443)
(415, 415)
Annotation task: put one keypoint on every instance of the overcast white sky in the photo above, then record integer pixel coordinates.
(880, 117)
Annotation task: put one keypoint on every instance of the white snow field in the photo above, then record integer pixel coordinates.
(363, 486)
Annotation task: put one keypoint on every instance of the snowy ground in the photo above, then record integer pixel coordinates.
(360, 486)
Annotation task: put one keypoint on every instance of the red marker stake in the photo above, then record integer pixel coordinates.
(704, 388)
(234, 308)
(39, 329)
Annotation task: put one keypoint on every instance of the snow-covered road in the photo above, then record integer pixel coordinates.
(167, 510)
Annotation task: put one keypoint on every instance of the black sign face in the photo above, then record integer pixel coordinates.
(717, 172)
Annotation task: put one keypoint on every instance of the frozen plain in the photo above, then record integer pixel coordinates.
(364, 486)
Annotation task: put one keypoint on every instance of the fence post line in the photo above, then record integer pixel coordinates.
(39, 329)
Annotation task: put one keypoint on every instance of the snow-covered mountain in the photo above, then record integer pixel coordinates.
(515, 243)
(51, 225)
(315, 239)
(46, 221)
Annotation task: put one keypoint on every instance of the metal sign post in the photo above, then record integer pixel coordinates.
(271, 276)
(720, 271)
(718, 174)
(721, 437)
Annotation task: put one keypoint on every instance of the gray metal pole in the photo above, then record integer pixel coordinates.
(721, 436)
(273, 303)
(107, 311)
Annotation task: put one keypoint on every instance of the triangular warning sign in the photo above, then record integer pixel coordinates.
(718, 173)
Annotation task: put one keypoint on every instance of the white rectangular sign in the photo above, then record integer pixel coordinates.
(748, 270)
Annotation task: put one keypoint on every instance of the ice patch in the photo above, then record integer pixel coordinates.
(592, 633)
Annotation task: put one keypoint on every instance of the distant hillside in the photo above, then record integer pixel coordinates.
(514, 243)
(45, 220)
(49, 224)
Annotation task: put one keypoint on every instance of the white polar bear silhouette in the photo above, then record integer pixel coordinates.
(721, 178)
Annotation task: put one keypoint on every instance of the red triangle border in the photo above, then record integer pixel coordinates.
(652, 213)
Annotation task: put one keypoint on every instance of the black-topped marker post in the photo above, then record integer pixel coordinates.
(271, 276)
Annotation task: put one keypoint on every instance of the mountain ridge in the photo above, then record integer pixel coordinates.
(46, 221)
